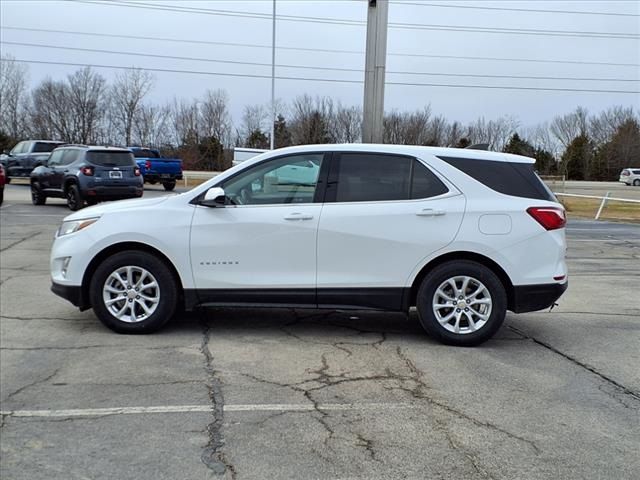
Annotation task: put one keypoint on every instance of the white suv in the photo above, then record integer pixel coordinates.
(463, 235)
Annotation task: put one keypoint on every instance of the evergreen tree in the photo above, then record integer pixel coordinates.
(257, 139)
(577, 158)
(281, 133)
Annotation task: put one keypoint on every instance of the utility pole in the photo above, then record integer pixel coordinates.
(273, 78)
(376, 57)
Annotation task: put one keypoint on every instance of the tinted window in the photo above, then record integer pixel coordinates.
(291, 179)
(44, 147)
(70, 156)
(56, 158)
(424, 183)
(516, 179)
(368, 177)
(636, 172)
(145, 153)
(111, 159)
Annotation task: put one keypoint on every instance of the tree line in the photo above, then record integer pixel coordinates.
(84, 108)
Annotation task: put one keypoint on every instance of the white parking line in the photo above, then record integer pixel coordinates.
(286, 407)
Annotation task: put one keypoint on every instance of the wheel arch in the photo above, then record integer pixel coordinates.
(68, 182)
(462, 255)
(124, 246)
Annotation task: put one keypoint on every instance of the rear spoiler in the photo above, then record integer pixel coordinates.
(478, 146)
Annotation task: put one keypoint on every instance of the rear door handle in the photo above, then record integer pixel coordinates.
(298, 216)
(430, 212)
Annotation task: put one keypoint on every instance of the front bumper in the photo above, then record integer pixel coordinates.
(71, 293)
(530, 298)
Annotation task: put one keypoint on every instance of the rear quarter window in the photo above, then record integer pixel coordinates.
(509, 178)
(111, 159)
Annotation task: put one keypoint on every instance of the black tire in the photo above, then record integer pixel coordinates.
(74, 200)
(427, 295)
(37, 196)
(169, 186)
(167, 292)
(636, 183)
(91, 202)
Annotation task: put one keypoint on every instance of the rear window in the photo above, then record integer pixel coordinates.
(515, 179)
(44, 147)
(111, 159)
(145, 153)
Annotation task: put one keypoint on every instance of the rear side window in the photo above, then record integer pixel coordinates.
(145, 153)
(636, 172)
(510, 178)
(111, 159)
(367, 177)
(424, 183)
(44, 147)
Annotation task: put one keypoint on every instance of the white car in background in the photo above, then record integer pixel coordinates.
(630, 176)
(463, 235)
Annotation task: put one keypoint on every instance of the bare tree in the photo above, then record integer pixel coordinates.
(311, 120)
(185, 122)
(254, 119)
(570, 126)
(404, 128)
(13, 95)
(494, 132)
(151, 126)
(86, 104)
(215, 117)
(347, 124)
(50, 116)
(605, 125)
(127, 94)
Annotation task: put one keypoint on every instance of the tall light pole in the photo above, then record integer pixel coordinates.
(375, 62)
(273, 78)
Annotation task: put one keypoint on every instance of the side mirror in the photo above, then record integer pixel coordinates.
(214, 197)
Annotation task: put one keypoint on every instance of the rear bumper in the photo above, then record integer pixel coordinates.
(113, 193)
(70, 293)
(530, 298)
(157, 177)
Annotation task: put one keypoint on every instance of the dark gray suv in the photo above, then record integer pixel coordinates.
(82, 173)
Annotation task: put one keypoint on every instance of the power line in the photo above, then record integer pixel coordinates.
(323, 50)
(330, 80)
(508, 9)
(309, 67)
(338, 21)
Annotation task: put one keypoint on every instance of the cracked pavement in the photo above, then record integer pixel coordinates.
(292, 394)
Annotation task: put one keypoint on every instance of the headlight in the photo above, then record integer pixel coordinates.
(75, 226)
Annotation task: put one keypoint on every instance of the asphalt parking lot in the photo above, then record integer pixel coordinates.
(283, 394)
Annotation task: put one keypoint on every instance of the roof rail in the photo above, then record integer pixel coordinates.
(478, 146)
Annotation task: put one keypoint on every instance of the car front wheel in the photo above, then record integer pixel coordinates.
(636, 183)
(133, 292)
(461, 303)
(37, 196)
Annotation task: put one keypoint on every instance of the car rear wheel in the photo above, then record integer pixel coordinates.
(133, 292)
(37, 196)
(169, 186)
(461, 303)
(74, 200)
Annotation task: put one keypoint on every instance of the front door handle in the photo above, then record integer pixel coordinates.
(298, 216)
(430, 212)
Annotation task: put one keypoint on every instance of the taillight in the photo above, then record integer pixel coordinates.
(551, 218)
(136, 171)
(88, 171)
(147, 164)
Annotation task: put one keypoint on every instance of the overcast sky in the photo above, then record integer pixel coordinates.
(617, 18)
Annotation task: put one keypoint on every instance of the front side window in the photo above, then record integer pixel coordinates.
(70, 156)
(56, 158)
(291, 179)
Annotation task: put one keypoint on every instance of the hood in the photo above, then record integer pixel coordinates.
(119, 206)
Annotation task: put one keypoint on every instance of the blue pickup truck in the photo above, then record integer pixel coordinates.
(155, 169)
